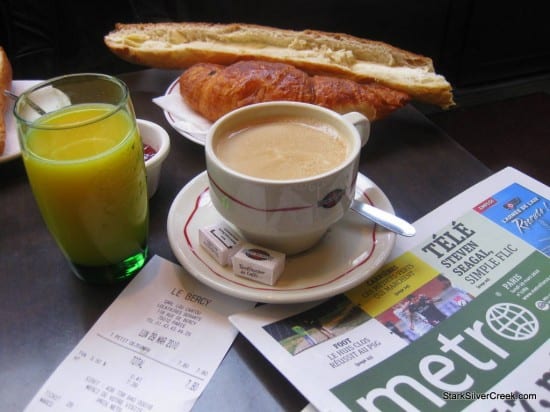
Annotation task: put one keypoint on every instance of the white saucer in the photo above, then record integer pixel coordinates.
(351, 251)
(182, 118)
(12, 149)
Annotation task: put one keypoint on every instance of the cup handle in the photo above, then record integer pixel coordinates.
(361, 123)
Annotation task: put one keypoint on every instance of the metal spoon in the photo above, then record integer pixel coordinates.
(383, 218)
(31, 103)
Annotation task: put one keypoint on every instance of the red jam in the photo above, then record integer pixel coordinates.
(148, 152)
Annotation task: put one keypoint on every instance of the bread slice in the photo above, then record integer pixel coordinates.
(180, 45)
(5, 84)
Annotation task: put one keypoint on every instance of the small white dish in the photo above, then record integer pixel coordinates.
(156, 137)
(351, 251)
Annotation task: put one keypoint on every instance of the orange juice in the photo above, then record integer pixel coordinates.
(89, 182)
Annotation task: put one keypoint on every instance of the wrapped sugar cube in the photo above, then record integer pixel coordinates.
(258, 263)
(220, 241)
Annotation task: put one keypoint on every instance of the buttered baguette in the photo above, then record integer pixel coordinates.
(180, 45)
(5, 84)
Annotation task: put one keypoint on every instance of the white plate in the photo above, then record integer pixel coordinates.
(351, 251)
(181, 117)
(12, 149)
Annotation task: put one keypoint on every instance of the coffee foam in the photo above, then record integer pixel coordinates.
(282, 148)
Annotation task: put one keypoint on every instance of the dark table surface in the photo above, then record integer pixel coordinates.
(45, 310)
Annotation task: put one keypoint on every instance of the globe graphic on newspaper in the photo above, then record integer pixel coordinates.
(512, 321)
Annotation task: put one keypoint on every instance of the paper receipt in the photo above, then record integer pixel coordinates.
(154, 349)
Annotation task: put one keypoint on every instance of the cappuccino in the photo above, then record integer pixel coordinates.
(282, 148)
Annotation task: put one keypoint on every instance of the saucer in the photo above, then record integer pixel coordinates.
(349, 253)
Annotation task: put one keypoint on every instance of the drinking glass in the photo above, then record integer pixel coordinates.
(84, 160)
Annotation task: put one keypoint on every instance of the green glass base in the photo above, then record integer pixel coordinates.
(111, 273)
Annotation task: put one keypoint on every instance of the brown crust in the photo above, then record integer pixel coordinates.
(373, 100)
(5, 84)
(180, 45)
(213, 90)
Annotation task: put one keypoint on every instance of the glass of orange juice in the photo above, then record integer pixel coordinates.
(84, 160)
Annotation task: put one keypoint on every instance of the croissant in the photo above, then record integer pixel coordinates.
(5, 82)
(213, 90)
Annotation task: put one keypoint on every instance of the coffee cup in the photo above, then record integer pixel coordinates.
(283, 172)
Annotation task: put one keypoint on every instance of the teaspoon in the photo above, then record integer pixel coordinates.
(383, 218)
(29, 101)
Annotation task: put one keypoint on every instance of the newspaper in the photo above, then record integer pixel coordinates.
(457, 319)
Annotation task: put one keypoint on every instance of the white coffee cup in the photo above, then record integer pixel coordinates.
(286, 215)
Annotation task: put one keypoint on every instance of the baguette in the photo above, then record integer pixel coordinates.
(180, 45)
(5, 84)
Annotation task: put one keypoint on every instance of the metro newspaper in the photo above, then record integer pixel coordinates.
(458, 318)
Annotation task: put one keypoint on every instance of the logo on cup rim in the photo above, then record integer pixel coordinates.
(331, 199)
